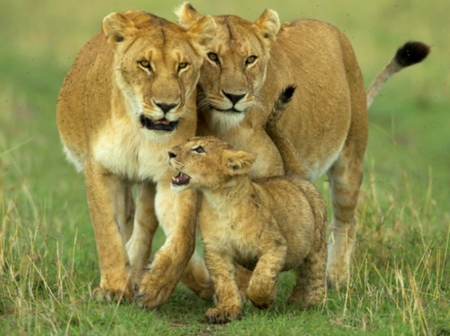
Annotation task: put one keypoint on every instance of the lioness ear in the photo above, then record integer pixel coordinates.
(117, 28)
(239, 162)
(187, 15)
(268, 24)
(203, 31)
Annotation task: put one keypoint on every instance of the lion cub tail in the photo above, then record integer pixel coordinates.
(289, 155)
(409, 54)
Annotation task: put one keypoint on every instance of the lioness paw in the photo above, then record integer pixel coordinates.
(110, 295)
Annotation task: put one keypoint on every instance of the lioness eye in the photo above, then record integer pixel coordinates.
(199, 149)
(213, 57)
(250, 60)
(182, 66)
(145, 64)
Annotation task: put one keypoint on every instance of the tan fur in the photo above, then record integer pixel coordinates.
(247, 66)
(141, 71)
(268, 225)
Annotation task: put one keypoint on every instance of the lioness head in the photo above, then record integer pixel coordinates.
(236, 62)
(157, 64)
(207, 163)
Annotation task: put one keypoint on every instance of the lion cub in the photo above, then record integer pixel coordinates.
(268, 225)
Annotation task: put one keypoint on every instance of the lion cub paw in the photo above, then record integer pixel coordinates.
(260, 300)
(223, 315)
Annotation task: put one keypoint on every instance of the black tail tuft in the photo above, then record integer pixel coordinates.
(286, 95)
(412, 53)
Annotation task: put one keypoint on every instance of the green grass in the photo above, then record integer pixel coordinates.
(400, 282)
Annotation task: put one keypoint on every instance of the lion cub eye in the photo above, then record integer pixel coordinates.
(198, 149)
(213, 57)
(182, 66)
(146, 65)
(250, 60)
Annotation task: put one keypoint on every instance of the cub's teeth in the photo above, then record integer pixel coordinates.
(180, 179)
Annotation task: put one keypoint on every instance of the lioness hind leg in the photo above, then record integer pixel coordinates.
(345, 179)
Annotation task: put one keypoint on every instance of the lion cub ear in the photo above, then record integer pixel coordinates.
(117, 28)
(203, 31)
(268, 24)
(238, 162)
(187, 15)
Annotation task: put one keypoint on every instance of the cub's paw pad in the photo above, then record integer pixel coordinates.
(221, 315)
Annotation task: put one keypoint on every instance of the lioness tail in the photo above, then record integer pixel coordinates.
(409, 54)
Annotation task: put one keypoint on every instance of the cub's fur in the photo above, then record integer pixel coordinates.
(248, 64)
(267, 225)
(129, 97)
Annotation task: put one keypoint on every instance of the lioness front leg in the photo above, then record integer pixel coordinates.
(222, 270)
(145, 224)
(176, 215)
(106, 195)
(261, 289)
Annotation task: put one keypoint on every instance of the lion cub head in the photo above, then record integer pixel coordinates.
(156, 64)
(207, 163)
(236, 63)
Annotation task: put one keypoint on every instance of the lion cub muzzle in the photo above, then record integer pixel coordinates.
(180, 179)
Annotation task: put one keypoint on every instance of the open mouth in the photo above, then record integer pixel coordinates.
(181, 179)
(158, 125)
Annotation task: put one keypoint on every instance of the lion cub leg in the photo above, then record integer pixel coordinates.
(310, 287)
(228, 301)
(261, 289)
(145, 224)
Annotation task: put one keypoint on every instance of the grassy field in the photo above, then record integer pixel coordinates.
(400, 282)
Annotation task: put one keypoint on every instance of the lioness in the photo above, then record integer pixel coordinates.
(268, 225)
(249, 63)
(129, 97)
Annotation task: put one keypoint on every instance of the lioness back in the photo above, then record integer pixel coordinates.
(329, 88)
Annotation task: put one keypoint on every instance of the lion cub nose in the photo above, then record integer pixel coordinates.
(172, 155)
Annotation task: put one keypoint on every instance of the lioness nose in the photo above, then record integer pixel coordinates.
(172, 155)
(166, 107)
(232, 97)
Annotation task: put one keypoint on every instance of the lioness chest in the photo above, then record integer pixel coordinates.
(125, 150)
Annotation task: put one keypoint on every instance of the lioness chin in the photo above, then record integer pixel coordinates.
(248, 63)
(129, 97)
(268, 225)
